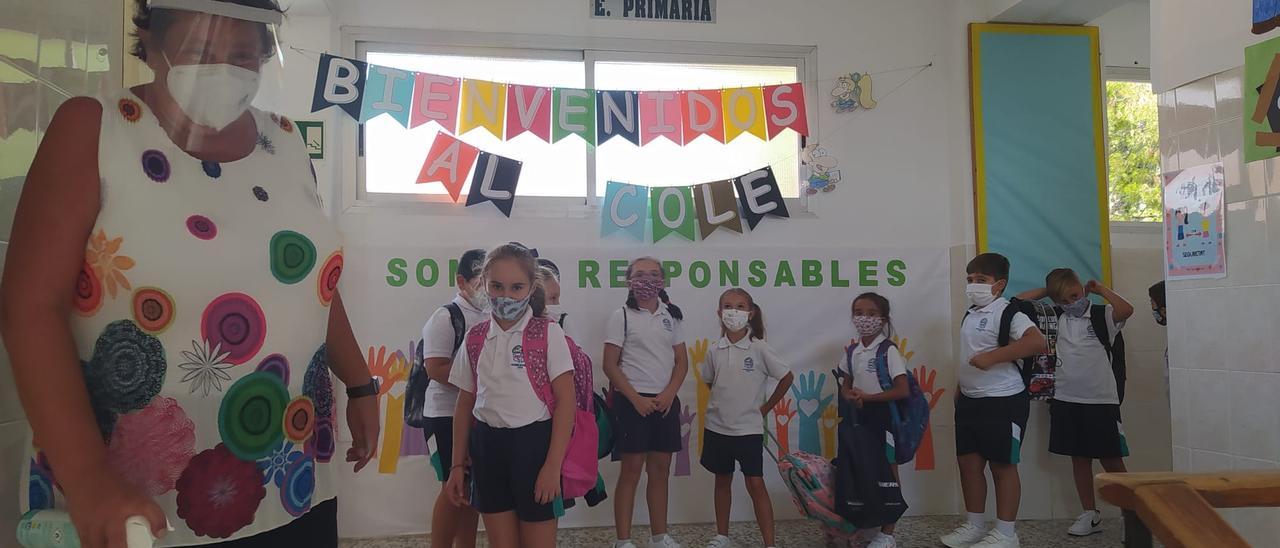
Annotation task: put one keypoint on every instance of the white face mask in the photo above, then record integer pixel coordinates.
(733, 319)
(980, 295)
(554, 311)
(479, 298)
(212, 96)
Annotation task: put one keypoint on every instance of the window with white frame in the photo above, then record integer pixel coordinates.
(571, 170)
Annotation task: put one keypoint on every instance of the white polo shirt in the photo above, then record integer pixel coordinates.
(1084, 372)
(863, 363)
(980, 333)
(437, 342)
(738, 374)
(504, 397)
(648, 346)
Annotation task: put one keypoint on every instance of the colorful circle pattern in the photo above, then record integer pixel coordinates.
(219, 494)
(330, 274)
(235, 322)
(130, 109)
(321, 444)
(249, 418)
(153, 309)
(201, 227)
(155, 165)
(299, 419)
(88, 296)
(299, 484)
(127, 368)
(292, 256)
(212, 169)
(317, 385)
(277, 365)
(260, 193)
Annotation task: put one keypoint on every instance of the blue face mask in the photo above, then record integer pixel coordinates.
(508, 309)
(1078, 308)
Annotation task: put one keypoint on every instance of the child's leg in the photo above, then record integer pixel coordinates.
(973, 482)
(724, 501)
(538, 534)
(452, 526)
(888, 528)
(624, 494)
(1008, 490)
(503, 529)
(1113, 465)
(1082, 471)
(658, 469)
(763, 507)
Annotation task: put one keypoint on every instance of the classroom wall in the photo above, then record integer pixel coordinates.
(1191, 39)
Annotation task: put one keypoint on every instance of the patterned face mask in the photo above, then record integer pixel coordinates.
(646, 288)
(1077, 308)
(508, 309)
(868, 325)
(733, 319)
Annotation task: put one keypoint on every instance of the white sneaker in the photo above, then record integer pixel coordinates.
(624, 544)
(964, 536)
(663, 541)
(883, 541)
(720, 541)
(1087, 524)
(996, 539)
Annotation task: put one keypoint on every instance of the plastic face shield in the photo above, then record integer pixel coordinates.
(221, 56)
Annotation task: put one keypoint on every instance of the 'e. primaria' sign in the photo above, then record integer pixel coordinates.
(688, 11)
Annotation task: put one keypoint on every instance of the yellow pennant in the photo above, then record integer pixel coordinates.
(484, 104)
(743, 112)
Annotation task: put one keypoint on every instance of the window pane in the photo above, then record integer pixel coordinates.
(663, 163)
(394, 155)
(1133, 152)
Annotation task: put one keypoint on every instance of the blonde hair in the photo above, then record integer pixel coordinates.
(523, 257)
(1058, 281)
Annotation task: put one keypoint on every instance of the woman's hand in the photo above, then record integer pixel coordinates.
(362, 419)
(547, 487)
(100, 505)
(662, 402)
(456, 486)
(644, 406)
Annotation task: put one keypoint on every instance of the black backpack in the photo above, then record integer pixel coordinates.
(1037, 371)
(1115, 349)
(415, 393)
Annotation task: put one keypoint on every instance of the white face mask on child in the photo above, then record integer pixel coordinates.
(733, 319)
(980, 295)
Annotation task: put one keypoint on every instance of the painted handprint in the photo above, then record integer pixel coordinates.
(926, 377)
(902, 347)
(830, 420)
(686, 428)
(810, 403)
(783, 414)
(697, 357)
(389, 369)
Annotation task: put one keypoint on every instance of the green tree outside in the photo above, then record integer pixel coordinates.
(1133, 152)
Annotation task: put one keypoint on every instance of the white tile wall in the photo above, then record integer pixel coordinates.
(1224, 372)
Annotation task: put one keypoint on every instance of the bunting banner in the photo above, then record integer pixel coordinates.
(694, 212)
(495, 181)
(507, 110)
(449, 162)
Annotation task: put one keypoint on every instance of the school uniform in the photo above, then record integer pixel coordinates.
(512, 431)
(437, 342)
(1084, 416)
(993, 405)
(738, 374)
(647, 359)
(861, 366)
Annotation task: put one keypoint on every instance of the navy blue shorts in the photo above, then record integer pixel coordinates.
(655, 433)
(505, 463)
(720, 452)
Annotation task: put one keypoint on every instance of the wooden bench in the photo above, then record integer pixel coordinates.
(1179, 509)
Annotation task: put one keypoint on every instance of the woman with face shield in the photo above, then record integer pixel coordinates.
(171, 304)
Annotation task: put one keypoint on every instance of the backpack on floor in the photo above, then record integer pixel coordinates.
(415, 393)
(910, 415)
(1114, 348)
(578, 473)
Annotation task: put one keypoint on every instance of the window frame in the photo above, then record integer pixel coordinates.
(358, 41)
(1121, 74)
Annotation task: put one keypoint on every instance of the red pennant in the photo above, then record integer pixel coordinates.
(435, 98)
(702, 114)
(660, 116)
(784, 108)
(529, 109)
(449, 162)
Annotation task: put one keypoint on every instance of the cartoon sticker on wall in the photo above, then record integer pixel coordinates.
(821, 174)
(852, 92)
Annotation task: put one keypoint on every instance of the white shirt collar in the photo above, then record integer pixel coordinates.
(743, 343)
(517, 328)
(874, 344)
(989, 308)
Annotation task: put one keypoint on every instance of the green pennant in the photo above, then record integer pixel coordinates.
(671, 209)
(573, 113)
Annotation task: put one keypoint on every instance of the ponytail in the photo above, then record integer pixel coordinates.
(757, 321)
(671, 308)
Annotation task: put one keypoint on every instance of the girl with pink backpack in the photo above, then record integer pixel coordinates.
(516, 407)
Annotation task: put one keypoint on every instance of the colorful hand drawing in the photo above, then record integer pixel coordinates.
(390, 370)
(783, 416)
(830, 421)
(686, 428)
(697, 357)
(810, 403)
(927, 377)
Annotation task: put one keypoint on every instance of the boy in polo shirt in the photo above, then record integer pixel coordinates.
(992, 407)
(1084, 416)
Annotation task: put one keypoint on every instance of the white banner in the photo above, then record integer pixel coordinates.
(805, 294)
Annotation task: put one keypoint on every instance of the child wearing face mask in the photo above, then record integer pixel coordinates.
(862, 383)
(516, 444)
(992, 407)
(646, 362)
(738, 369)
(442, 337)
(1084, 416)
(551, 284)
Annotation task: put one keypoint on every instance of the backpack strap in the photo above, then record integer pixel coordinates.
(475, 345)
(882, 364)
(560, 320)
(1098, 317)
(534, 346)
(625, 325)
(459, 323)
(1004, 335)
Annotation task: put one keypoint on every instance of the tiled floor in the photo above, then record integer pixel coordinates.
(920, 531)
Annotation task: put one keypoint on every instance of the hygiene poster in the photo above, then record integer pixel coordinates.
(1194, 223)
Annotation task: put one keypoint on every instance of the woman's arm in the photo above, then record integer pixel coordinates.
(678, 374)
(347, 363)
(55, 217)
(548, 485)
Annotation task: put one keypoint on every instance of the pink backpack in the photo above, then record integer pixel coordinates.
(581, 465)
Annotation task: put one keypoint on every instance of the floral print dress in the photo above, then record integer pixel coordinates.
(200, 316)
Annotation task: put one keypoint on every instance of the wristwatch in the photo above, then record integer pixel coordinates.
(369, 389)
